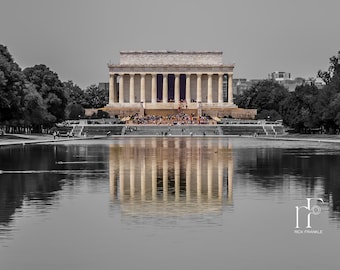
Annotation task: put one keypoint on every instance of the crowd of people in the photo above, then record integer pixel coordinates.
(180, 118)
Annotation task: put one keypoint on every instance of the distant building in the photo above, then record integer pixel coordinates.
(284, 78)
(279, 76)
(103, 86)
(318, 82)
(242, 84)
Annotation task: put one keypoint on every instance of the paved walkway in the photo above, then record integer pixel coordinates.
(325, 138)
(23, 139)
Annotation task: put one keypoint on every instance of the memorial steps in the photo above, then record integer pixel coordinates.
(174, 130)
(177, 130)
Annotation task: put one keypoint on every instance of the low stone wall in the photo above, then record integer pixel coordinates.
(236, 113)
(160, 109)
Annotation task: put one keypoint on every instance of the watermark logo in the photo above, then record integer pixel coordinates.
(305, 212)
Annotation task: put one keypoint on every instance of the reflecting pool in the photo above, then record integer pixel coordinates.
(170, 203)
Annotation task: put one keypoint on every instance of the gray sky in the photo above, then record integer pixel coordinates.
(77, 38)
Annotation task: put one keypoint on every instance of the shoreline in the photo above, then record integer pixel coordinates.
(24, 139)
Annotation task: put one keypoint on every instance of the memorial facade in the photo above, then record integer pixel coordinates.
(170, 80)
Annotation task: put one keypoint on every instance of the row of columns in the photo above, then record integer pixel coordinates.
(137, 178)
(126, 178)
(127, 174)
(165, 88)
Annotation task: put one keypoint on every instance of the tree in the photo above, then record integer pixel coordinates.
(12, 85)
(329, 101)
(74, 111)
(266, 96)
(95, 97)
(333, 70)
(35, 110)
(48, 85)
(74, 94)
(301, 110)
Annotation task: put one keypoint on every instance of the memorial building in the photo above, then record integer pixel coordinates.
(162, 82)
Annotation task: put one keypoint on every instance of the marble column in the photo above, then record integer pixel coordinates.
(187, 88)
(121, 180)
(199, 172)
(220, 88)
(121, 88)
(165, 170)
(153, 88)
(165, 88)
(154, 175)
(165, 179)
(209, 88)
(142, 87)
(177, 95)
(210, 178)
(132, 88)
(132, 178)
(199, 87)
(177, 169)
(111, 88)
(199, 181)
(112, 171)
(188, 178)
(142, 173)
(220, 177)
(188, 169)
(230, 88)
(230, 164)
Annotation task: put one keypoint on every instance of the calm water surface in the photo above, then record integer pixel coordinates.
(169, 203)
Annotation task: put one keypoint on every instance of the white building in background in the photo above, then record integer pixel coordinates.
(285, 79)
(279, 76)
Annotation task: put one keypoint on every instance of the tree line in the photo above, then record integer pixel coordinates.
(35, 97)
(306, 110)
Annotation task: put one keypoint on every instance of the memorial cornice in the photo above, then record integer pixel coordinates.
(170, 52)
(170, 68)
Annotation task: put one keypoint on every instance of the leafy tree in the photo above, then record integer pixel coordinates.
(95, 97)
(332, 71)
(35, 110)
(12, 85)
(48, 85)
(270, 115)
(266, 96)
(74, 111)
(74, 94)
(301, 109)
(329, 101)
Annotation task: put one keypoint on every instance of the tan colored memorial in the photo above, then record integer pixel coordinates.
(161, 82)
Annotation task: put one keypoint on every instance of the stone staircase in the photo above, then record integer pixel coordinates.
(77, 130)
(269, 130)
(180, 130)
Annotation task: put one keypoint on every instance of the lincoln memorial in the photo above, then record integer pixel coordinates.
(153, 82)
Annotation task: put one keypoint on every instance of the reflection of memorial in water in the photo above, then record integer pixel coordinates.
(171, 176)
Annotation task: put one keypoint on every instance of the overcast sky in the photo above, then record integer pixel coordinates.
(78, 38)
